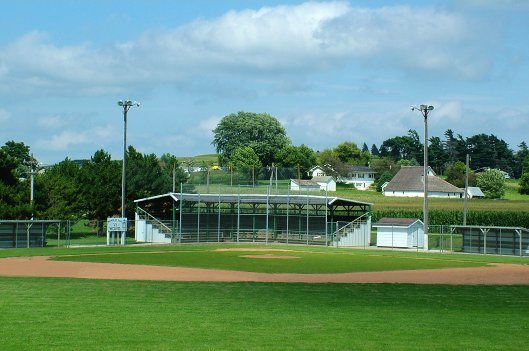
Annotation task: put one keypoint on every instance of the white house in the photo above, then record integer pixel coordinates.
(316, 171)
(409, 182)
(401, 232)
(361, 177)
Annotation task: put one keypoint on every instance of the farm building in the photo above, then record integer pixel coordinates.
(409, 182)
(494, 240)
(400, 232)
(309, 219)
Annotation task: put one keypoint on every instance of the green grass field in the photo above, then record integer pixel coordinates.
(300, 262)
(76, 314)
(88, 314)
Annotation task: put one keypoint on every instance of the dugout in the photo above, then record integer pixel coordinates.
(291, 218)
(493, 240)
(24, 233)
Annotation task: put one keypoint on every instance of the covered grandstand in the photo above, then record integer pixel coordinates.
(292, 218)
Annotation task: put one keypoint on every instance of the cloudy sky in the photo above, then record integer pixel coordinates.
(330, 71)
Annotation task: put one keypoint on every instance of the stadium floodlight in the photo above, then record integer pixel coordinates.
(126, 104)
(425, 110)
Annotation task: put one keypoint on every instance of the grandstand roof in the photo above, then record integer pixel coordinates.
(261, 199)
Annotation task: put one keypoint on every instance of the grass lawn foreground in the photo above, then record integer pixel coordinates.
(83, 314)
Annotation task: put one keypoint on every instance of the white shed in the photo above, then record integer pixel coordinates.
(401, 232)
(326, 183)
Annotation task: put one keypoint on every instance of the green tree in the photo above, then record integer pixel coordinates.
(487, 151)
(348, 152)
(374, 150)
(168, 164)
(100, 182)
(331, 163)
(19, 153)
(384, 164)
(245, 160)
(524, 184)
(259, 131)
(58, 192)
(456, 173)
(14, 194)
(292, 156)
(385, 177)
(519, 158)
(437, 156)
(492, 183)
(402, 147)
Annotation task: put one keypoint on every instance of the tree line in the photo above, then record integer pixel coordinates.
(88, 189)
(244, 140)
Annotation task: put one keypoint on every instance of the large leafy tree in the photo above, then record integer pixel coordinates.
(245, 161)
(406, 147)
(492, 183)
(437, 156)
(348, 152)
(519, 157)
(101, 186)
(524, 184)
(59, 191)
(260, 131)
(456, 174)
(14, 194)
(487, 151)
(294, 156)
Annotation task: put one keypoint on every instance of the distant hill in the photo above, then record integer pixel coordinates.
(199, 159)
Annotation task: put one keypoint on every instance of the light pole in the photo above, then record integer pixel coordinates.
(126, 104)
(425, 110)
(33, 169)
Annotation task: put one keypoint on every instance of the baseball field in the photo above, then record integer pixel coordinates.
(250, 297)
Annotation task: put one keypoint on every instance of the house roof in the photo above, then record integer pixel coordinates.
(361, 169)
(396, 222)
(305, 182)
(325, 179)
(475, 191)
(410, 178)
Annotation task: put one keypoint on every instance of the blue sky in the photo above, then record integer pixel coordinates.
(330, 71)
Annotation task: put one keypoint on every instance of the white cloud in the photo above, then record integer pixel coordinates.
(514, 119)
(285, 40)
(66, 139)
(208, 125)
(447, 111)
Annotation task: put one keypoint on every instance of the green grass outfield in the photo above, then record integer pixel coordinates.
(80, 314)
